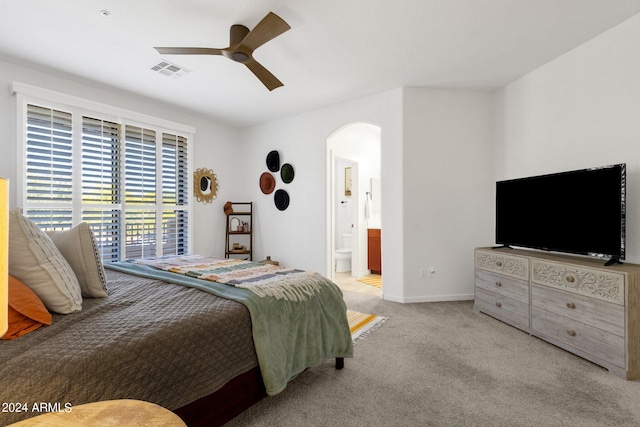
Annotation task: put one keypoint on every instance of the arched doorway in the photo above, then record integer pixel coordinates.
(353, 154)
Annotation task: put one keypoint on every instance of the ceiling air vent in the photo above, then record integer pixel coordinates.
(168, 69)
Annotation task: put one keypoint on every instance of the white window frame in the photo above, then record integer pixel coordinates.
(27, 94)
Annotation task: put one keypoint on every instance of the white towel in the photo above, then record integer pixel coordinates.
(367, 209)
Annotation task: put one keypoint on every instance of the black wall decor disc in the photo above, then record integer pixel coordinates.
(286, 173)
(281, 199)
(273, 161)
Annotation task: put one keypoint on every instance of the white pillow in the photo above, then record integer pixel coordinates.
(36, 262)
(79, 248)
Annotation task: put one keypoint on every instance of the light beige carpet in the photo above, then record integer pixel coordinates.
(442, 364)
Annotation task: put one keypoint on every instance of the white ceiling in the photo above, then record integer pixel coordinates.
(337, 50)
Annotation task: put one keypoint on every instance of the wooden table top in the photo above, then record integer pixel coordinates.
(105, 414)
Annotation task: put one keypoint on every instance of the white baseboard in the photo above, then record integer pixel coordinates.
(430, 298)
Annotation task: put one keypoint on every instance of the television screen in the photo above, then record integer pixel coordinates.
(581, 212)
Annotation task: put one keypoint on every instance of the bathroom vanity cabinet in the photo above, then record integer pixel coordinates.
(374, 256)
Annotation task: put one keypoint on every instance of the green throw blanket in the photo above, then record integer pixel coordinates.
(296, 324)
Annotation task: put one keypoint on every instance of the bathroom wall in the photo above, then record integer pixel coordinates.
(375, 204)
(344, 209)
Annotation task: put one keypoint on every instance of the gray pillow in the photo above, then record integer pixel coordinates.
(36, 261)
(79, 248)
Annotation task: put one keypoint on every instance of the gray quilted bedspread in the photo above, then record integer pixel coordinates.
(148, 340)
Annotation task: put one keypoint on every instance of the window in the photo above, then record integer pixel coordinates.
(101, 178)
(128, 180)
(175, 194)
(49, 161)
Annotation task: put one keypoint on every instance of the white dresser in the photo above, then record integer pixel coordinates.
(575, 303)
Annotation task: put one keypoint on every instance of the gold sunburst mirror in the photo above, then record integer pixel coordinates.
(205, 185)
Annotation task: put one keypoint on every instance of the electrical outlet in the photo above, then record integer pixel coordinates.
(423, 272)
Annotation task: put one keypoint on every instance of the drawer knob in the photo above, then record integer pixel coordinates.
(571, 279)
(498, 284)
(571, 332)
(571, 305)
(499, 263)
(498, 304)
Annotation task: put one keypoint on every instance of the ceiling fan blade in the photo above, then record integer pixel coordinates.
(268, 79)
(269, 28)
(188, 51)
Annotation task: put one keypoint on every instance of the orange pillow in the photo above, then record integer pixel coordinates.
(26, 312)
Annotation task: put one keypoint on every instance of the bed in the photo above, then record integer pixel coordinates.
(204, 339)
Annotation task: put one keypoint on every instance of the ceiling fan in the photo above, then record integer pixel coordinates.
(242, 44)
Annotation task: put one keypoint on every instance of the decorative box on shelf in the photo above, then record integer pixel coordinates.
(269, 261)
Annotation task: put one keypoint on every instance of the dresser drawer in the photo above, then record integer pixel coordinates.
(507, 309)
(512, 266)
(599, 284)
(503, 285)
(590, 311)
(604, 345)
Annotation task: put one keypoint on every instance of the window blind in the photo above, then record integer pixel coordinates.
(106, 225)
(174, 236)
(175, 194)
(140, 165)
(49, 160)
(100, 161)
(174, 168)
(116, 189)
(140, 233)
(101, 184)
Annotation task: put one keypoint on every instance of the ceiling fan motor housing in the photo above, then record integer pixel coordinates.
(237, 33)
(242, 44)
(239, 57)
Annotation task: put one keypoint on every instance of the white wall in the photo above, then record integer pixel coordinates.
(448, 183)
(297, 236)
(436, 174)
(441, 154)
(214, 144)
(580, 110)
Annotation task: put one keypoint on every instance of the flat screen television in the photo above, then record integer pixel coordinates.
(580, 212)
